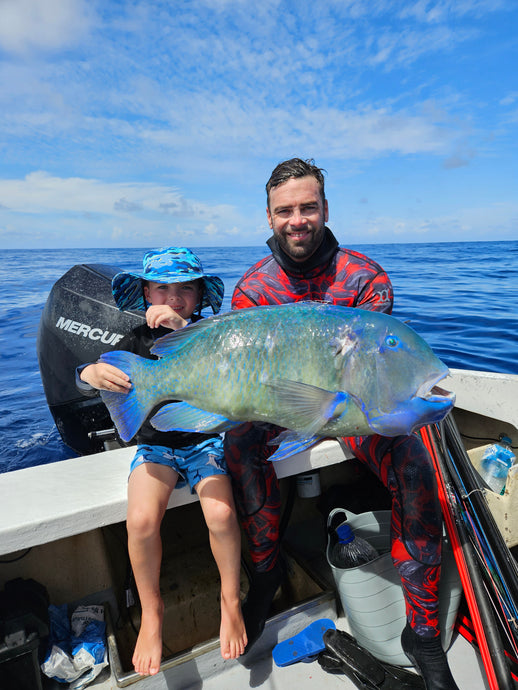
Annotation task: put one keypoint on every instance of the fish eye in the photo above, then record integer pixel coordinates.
(391, 341)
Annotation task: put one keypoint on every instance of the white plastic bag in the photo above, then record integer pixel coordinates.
(77, 648)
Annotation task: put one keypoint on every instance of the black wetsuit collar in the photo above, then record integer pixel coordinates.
(319, 259)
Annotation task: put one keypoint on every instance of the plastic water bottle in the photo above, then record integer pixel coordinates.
(495, 464)
(350, 550)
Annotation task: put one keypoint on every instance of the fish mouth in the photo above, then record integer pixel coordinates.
(432, 393)
(429, 405)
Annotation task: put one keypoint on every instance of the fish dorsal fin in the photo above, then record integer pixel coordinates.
(168, 344)
(172, 342)
(313, 406)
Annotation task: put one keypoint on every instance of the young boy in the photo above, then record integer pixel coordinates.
(174, 289)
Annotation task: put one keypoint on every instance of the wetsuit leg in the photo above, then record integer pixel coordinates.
(256, 490)
(405, 468)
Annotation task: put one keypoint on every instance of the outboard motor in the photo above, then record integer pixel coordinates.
(80, 321)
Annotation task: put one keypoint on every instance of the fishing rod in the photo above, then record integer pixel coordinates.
(504, 606)
(488, 639)
(498, 591)
(470, 488)
(498, 566)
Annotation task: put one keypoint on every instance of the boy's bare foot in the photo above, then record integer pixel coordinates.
(232, 633)
(148, 650)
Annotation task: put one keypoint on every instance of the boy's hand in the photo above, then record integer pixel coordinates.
(106, 377)
(163, 315)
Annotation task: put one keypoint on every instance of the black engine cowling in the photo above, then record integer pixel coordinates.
(79, 322)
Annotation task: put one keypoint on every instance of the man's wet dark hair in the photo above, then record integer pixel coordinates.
(294, 168)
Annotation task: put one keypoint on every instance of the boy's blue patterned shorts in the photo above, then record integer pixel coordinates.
(193, 463)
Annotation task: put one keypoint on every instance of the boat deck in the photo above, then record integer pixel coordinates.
(210, 672)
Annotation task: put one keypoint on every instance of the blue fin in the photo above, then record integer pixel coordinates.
(127, 410)
(184, 417)
(313, 406)
(170, 343)
(305, 645)
(291, 443)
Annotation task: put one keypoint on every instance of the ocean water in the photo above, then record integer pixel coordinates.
(460, 297)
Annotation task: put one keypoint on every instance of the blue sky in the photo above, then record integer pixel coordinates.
(146, 124)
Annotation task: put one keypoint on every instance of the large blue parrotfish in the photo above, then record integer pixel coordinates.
(317, 370)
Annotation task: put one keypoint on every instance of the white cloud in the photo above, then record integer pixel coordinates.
(40, 192)
(463, 224)
(154, 117)
(222, 88)
(430, 11)
(42, 25)
(87, 212)
(510, 99)
(228, 126)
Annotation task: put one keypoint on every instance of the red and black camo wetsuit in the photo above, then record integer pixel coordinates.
(349, 279)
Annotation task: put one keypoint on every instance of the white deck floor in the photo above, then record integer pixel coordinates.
(260, 671)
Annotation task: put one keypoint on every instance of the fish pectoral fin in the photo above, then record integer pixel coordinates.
(291, 443)
(312, 406)
(181, 416)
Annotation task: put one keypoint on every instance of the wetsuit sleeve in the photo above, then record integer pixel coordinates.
(377, 294)
(240, 300)
(258, 286)
(84, 388)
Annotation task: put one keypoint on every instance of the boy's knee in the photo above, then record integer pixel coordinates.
(221, 518)
(143, 523)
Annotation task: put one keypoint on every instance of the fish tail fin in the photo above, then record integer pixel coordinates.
(127, 410)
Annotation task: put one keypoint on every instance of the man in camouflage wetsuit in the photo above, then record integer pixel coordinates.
(307, 264)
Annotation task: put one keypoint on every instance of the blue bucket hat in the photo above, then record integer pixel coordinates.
(171, 265)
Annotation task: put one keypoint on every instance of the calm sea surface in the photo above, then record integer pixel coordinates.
(461, 297)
